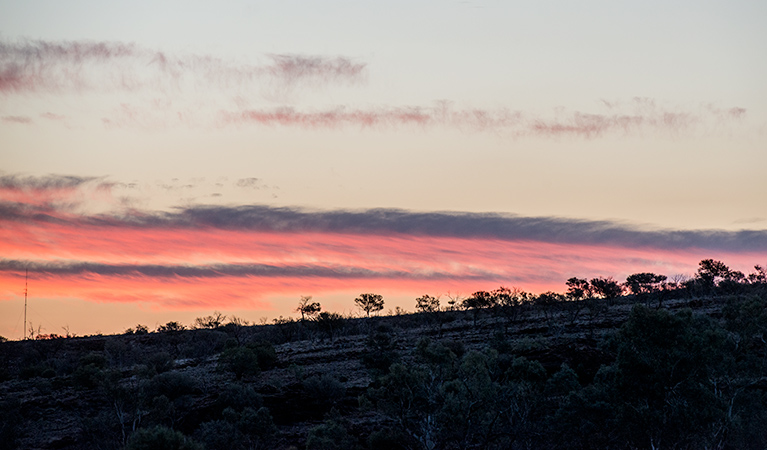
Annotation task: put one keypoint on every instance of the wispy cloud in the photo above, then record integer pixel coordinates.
(52, 116)
(640, 115)
(17, 119)
(46, 66)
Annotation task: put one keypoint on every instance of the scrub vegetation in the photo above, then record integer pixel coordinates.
(647, 363)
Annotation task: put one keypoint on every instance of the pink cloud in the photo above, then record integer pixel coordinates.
(645, 116)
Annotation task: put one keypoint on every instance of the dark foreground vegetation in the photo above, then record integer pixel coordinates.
(648, 363)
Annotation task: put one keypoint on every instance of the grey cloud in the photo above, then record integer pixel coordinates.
(46, 182)
(253, 183)
(37, 65)
(395, 221)
(462, 225)
(223, 270)
(17, 119)
(371, 222)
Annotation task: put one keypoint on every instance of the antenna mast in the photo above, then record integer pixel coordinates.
(26, 289)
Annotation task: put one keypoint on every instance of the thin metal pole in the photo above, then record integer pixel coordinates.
(26, 289)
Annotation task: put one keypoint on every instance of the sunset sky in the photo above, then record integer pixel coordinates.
(162, 161)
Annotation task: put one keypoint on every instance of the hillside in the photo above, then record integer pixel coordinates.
(637, 371)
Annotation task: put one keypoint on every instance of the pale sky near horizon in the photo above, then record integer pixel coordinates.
(606, 124)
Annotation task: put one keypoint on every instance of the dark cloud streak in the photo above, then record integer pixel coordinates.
(401, 222)
(47, 182)
(221, 270)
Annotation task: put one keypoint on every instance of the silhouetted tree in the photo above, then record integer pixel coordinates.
(307, 307)
(210, 322)
(710, 272)
(427, 304)
(479, 300)
(171, 327)
(606, 288)
(370, 303)
(644, 283)
(578, 288)
(758, 276)
(548, 302)
(509, 303)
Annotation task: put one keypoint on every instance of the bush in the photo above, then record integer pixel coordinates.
(380, 353)
(331, 435)
(171, 327)
(218, 435)
(9, 424)
(87, 376)
(172, 385)
(160, 362)
(324, 390)
(204, 343)
(240, 361)
(330, 323)
(265, 353)
(238, 397)
(161, 437)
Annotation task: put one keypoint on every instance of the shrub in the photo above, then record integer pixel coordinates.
(161, 437)
(160, 362)
(240, 361)
(238, 396)
(140, 329)
(218, 435)
(204, 343)
(257, 424)
(330, 323)
(380, 352)
(171, 327)
(324, 390)
(87, 376)
(265, 353)
(10, 419)
(331, 435)
(172, 384)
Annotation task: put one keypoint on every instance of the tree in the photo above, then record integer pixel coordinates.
(710, 272)
(427, 304)
(210, 322)
(307, 307)
(644, 283)
(758, 276)
(370, 303)
(171, 327)
(606, 288)
(577, 288)
(509, 302)
(478, 300)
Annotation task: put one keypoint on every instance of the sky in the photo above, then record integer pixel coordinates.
(160, 162)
